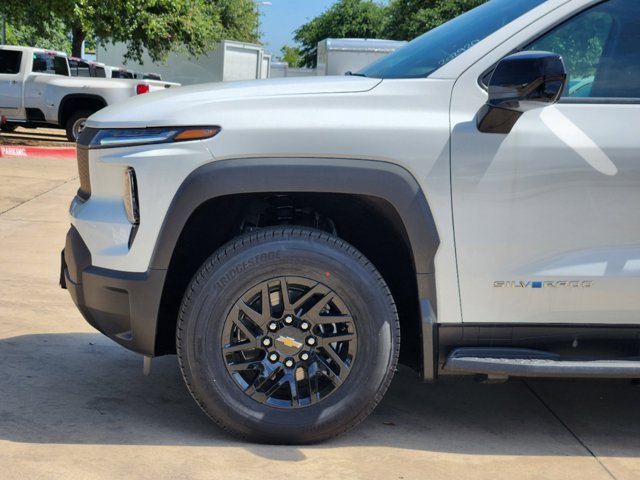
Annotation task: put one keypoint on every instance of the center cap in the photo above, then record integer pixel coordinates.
(289, 341)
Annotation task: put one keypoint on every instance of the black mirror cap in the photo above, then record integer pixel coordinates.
(527, 80)
(521, 82)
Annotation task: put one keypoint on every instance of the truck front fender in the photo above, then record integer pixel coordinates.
(383, 180)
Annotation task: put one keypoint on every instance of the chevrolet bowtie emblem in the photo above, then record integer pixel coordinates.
(289, 342)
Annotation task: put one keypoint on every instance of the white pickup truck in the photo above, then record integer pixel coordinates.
(468, 202)
(36, 89)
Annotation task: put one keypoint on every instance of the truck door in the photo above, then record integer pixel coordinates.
(10, 83)
(547, 217)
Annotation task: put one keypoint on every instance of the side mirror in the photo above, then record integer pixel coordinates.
(521, 82)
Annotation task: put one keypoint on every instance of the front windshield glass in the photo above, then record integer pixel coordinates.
(439, 46)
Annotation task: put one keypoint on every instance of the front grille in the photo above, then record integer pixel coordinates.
(84, 192)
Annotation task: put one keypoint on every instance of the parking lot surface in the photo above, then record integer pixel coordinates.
(74, 405)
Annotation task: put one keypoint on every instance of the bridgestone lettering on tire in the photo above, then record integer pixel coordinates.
(287, 335)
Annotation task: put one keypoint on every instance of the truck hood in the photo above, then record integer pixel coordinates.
(182, 106)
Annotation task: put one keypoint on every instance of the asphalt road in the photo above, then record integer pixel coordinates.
(74, 405)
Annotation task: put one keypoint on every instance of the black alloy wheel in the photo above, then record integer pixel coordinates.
(289, 342)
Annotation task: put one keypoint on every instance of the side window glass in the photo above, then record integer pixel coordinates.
(49, 63)
(60, 66)
(40, 63)
(599, 49)
(10, 61)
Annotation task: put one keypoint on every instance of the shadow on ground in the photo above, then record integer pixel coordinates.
(36, 137)
(83, 389)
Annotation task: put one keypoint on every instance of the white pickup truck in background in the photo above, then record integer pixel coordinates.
(36, 89)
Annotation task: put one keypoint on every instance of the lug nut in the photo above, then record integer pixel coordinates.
(311, 341)
(266, 342)
(288, 319)
(304, 356)
(289, 363)
(304, 325)
(273, 357)
(273, 326)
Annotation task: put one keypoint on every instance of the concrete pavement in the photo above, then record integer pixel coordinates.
(74, 405)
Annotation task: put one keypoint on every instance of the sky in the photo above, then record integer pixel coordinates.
(279, 20)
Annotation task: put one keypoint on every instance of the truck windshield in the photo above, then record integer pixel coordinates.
(439, 46)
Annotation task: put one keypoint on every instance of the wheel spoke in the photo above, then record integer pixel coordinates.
(312, 378)
(329, 373)
(246, 365)
(258, 319)
(243, 328)
(337, 360)
(284, 294)
(239, 347)
(295, 396)
(326, 341)
(265, 305)
(316, 289)
(255, 389)
(313, 314)
(275, 387)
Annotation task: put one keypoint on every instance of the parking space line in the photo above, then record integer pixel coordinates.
(74, 179)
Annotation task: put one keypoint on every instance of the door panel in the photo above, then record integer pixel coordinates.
(10, 83)
(547, 217)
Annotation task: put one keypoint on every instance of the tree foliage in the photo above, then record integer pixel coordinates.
(159, 26)
(291, 55)
(345, 19)
(400, 20)
(50, 36)
(411, 18)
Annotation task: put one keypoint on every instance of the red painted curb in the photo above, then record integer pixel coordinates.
(25, 152)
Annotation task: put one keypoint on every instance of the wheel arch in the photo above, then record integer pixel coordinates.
(79, 101)
(389, 183)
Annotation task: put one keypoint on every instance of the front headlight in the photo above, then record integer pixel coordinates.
(111, 138)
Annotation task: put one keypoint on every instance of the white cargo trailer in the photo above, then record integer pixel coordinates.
(265, 67)
(228, 61)
(336, 56)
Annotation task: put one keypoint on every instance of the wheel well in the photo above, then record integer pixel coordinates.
(369, 223)
(76, 103)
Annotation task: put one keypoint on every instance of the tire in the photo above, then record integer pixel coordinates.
(75, 124)
(334, 294)
(8, 128)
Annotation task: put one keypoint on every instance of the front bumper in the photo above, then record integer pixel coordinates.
(122, 305)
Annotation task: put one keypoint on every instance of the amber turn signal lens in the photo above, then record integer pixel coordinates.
(196, 134)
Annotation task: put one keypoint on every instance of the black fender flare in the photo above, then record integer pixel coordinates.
(73, 97)
(387, 181)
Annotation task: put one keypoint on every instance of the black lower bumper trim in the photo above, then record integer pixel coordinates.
(122, 305)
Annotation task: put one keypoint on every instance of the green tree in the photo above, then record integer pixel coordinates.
(291, 55)
(411, 18)
(345, 19)
(159, 26)
(50, 36)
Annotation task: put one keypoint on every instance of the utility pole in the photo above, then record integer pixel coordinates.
(258, 5)
(4, 30)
